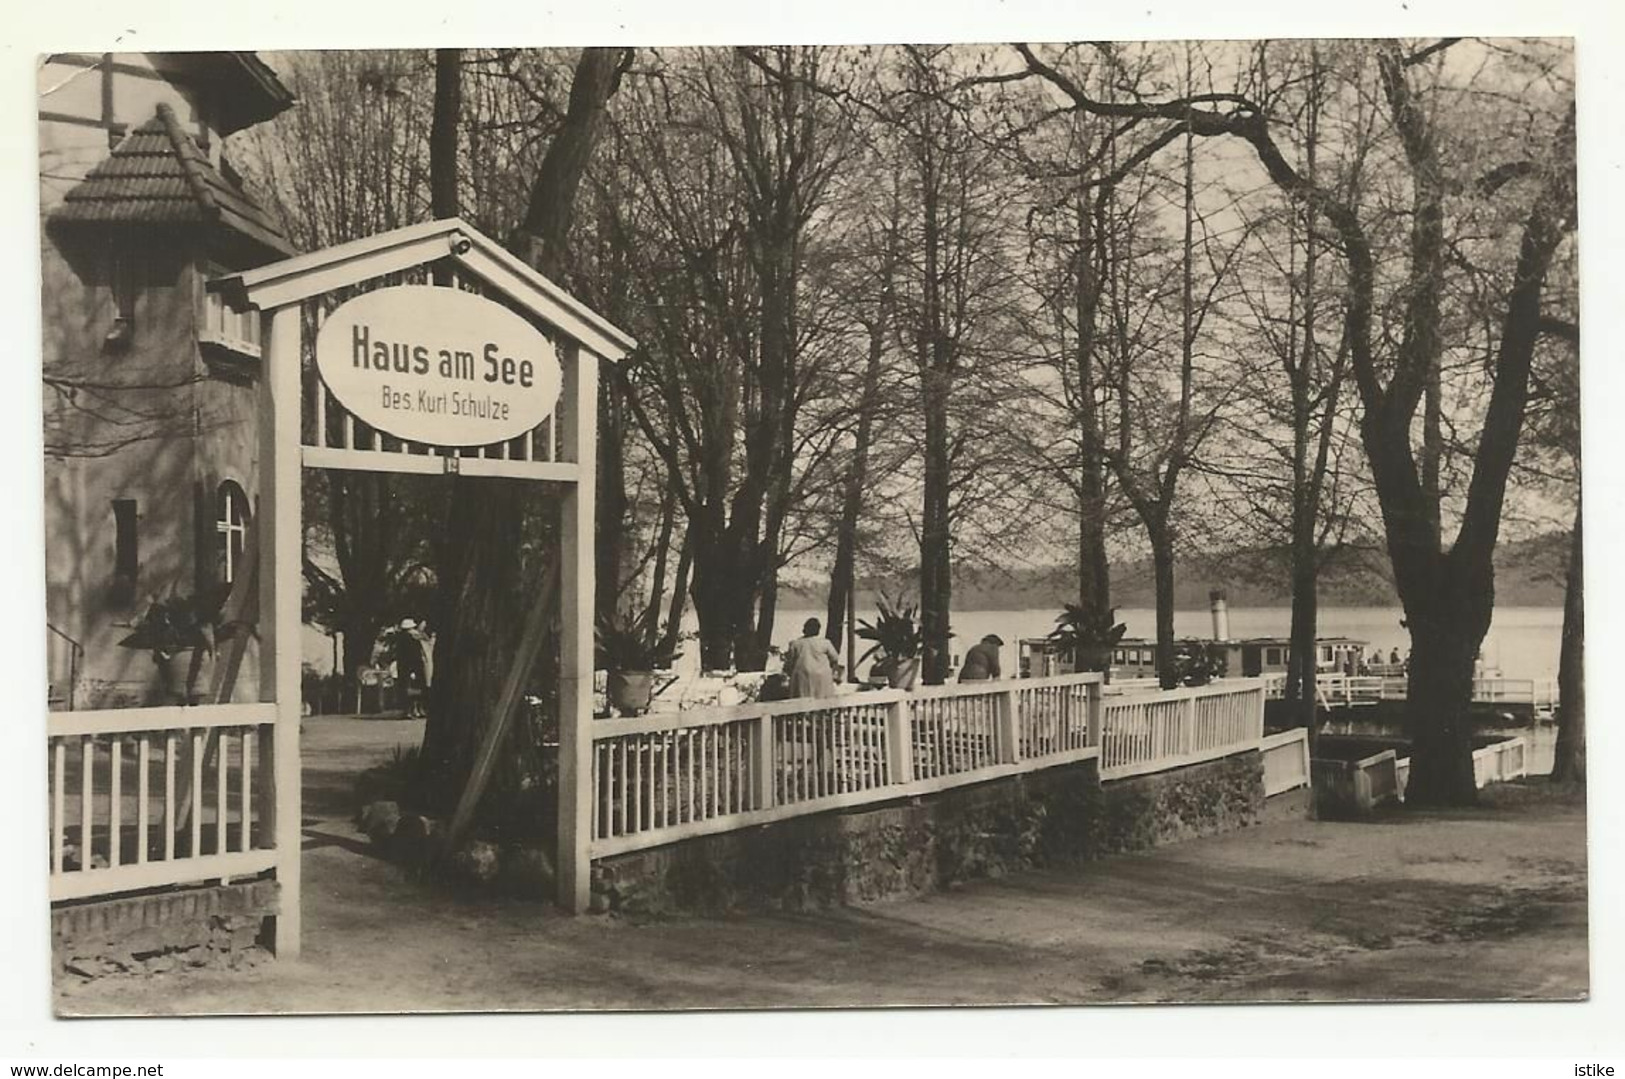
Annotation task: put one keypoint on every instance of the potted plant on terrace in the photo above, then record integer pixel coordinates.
(1088, 636)
(1194, 665)
(629, 648)
(180, 636)
(897, 638)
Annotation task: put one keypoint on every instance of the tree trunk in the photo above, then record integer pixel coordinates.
(679, 596)
(767, 611)
(715, 591)
(360, 637)
(1162, 569)
(1437, 712)
(1308, 485)
(443, 146)
(936, 550)
(551, 205)
(483, 594)
(1301, 655)
(1569, 761)
(843, 573)
(448, 107)
(1094, 582)
(484, 601)
(609, 522)
(657, 578)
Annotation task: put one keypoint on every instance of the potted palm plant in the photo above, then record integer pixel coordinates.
(629, 647)
(897, 638)
(180, 636)
(1088, 635)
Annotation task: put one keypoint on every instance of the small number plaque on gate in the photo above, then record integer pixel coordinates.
(438, 365)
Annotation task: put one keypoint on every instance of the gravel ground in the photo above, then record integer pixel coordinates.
(1488, 903)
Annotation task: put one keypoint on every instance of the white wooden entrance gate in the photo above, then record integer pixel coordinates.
(561, 449)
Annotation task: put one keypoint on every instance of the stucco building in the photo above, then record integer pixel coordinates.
(150, 458)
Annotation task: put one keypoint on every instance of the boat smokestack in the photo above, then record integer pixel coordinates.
(1221, 615)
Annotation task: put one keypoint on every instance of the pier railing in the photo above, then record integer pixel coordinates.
(1345, 690)
(670, 776)
(145, 797)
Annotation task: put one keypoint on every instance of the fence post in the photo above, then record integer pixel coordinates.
(761, 776)
(1095, 706)
(279, 618)
(578, 426)
(1187, 744)
(1009, 727)
(899, 750)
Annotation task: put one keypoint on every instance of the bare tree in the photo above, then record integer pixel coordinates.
(734, 155)
(1448, 594)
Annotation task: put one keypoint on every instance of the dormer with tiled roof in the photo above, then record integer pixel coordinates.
(90, 102)
(158, 175)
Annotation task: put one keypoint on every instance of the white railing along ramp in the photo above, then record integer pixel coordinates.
(665, 777)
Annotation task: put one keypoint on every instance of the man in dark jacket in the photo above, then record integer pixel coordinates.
(982, 661)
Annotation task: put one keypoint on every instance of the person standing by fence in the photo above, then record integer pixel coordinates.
(811, 662)
(982, 660)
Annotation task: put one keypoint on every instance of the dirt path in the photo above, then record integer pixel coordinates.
(1482, 904)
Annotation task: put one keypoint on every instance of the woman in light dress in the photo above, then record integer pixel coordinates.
(811, 661)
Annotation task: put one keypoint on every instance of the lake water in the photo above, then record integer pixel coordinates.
(1523, 641)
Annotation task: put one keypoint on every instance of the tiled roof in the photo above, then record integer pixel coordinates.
(244, 88)
(158, 175)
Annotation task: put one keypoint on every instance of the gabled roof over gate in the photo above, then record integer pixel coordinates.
(304, 276)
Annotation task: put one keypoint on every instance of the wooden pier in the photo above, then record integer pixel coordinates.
(1528, 699)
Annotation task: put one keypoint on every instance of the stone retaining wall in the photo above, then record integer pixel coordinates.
(904, 848)
(217, 926)
(1183, 803)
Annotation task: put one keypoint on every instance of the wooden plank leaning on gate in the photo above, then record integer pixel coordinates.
(538, 627)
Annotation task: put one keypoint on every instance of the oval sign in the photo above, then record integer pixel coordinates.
(438, 365)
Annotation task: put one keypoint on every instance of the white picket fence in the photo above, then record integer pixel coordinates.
(1153, 731)
(1500, 762)
(145, 797)
(666, 777)
(1496, 763)
(1286, 761)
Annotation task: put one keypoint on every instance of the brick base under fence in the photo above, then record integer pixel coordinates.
(209, 926)
(1045, 817)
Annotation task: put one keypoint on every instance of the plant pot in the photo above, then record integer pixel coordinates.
(1091, 657)
(903, 675)
(630, 691)
(184, 675)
